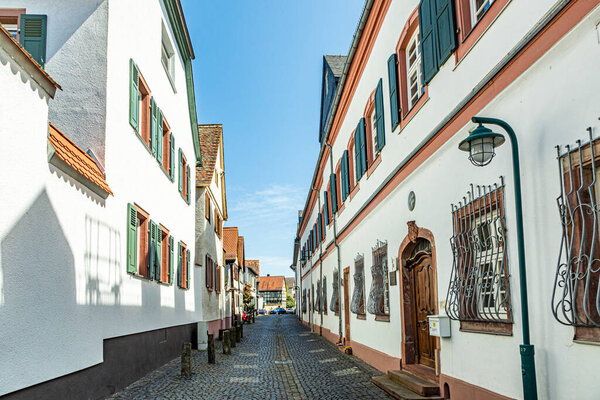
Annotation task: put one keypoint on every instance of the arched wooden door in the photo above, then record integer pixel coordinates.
(422, 276)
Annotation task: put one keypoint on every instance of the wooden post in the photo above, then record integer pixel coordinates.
(238, 332)
(226, 343)
(241, 330)
(232, 336)
(186, 359)
(211, 349)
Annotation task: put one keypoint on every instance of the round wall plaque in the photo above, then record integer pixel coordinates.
(411, 200)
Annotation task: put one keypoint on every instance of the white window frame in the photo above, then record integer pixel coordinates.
(167, 55)
(477, 13)
(413, 70)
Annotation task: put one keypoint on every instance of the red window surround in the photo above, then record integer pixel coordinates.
(184, 270)
(369, 110)
(164, 247)
(406, 114)
(469, 35)
(338, 180)
(351, 172)
(144, 218)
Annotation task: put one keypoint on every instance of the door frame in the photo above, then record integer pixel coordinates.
(408, 345)
(347, 304)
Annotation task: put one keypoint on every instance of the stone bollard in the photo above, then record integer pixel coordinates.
(226, 343)
(211, 349)
(238, 332)
(242, 331)
(221, 334)
(232, 336)
(186, 359)
(252, 318)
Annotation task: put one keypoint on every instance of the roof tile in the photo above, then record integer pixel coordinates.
(210, 139)
(270, 283)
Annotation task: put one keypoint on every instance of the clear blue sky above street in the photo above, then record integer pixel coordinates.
(258, 72)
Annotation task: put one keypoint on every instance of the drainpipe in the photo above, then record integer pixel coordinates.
(337, 247)
(320, 263)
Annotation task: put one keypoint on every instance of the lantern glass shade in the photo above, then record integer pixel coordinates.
(481, 145)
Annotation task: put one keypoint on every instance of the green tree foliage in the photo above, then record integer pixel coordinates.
(289, 301)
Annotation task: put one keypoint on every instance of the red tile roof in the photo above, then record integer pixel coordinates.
(20, 49)
(210, 140)
(230, 242)
(76, 158)
(240, 251)
(254, 265)
(271, 283)
(290, 282)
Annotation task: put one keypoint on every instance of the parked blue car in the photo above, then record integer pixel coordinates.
(261, 311)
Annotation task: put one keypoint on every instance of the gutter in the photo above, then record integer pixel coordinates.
(338, 93)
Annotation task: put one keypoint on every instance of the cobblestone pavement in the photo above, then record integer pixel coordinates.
(278, 358)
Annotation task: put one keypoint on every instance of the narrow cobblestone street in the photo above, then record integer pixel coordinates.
(271, 362)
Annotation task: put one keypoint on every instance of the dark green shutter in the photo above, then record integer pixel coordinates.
(152, 249)
(180, 172)
(152, 135)
(188, 179)
(179, 264)
(380, 120)
(360, 147)
(159, 135)
(33, 36)
(158, 262)
(131, 239)
(357, 154)
(393, 84)
(326, 207)
(428, 36)
(346, 166)
(321, 227)
(172, 158)
(333, 191)
(134, 95)
(171, 259)
(187, 269)
(445, 29)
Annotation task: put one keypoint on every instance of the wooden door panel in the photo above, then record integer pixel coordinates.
(424, 305)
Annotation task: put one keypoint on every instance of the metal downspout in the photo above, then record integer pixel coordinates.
(320, 264)
(337, 247)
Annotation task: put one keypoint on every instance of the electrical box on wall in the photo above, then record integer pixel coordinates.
(439, 325)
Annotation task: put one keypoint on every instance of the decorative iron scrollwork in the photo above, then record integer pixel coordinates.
(304, 300)
(324, 295)
(318, 297)
(333, 306)
(479, 281)
(576, 293)
(357, 305)
(378, 302)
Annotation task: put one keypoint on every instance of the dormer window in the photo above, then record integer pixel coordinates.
(167, 56)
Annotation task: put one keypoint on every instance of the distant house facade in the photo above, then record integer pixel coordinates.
(272, 290)
(233, 246)
(211, 212)
(103, 232)
(252, 278)
(290, 284)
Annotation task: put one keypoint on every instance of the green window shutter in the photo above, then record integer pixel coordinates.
(33, 36)
(333, 191)
(153, 126)
(159, 135)
(380, 121)
(131, 239)
(346, 176)
(188, 183)
(321, 228)
(179, 264)
(172, 157)
(360, 148)
(393, 84)
(326, 206)
(152, 249)
(180, 171)
(428, 36)
(446, 30)
(171, 260)
(158, 263)
(187, 269)
(357, 156)
(134, 95)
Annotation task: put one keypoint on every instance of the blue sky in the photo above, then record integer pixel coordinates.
(258, 72)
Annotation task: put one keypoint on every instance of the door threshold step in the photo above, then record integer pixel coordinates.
(414, 383)
(397, 391)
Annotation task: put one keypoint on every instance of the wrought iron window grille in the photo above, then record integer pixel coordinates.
(304, 300)
(324, 295)
(357, 305)
(576, 292)
(318, 297)
(479, 289)
(378, 302)
(334, 304)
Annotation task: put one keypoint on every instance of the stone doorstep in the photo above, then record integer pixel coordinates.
(397, 391)
(412, 382)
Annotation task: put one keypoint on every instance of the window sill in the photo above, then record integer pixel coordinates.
(184, 198)
(138, 276)
(480, 28)
(354, 190)
(374, 165)
(361, 316)
(339, 211)
(586, 335)
(384, 318)
(406, 118)
(492, 328)
(171, 178)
